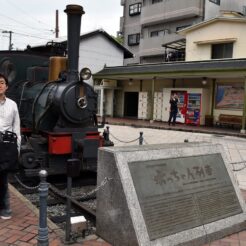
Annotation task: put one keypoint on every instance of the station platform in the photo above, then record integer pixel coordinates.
(217, 130)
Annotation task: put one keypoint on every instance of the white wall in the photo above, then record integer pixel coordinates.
(96, 51)
(221, 30)
(212, 10)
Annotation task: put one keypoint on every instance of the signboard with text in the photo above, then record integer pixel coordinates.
(181, 193)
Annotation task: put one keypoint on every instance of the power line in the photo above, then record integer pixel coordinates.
(22, 30)
(26, 13)
(17, 21)
(32, 36)
(28, 35)
(10, 47)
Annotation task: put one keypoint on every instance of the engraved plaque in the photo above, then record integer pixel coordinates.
(182, 193)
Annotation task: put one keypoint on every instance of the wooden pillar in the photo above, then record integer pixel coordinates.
(101, 102)
(113, 103)
(213, 97)
(244, 108)
(152, 98)
(174, 83)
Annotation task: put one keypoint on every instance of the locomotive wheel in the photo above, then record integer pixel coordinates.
(28, 160)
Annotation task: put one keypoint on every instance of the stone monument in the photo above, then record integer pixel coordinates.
(168, 194)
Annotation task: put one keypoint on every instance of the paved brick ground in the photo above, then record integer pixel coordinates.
(22, 229)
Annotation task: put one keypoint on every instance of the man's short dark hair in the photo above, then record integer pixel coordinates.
(5, 78)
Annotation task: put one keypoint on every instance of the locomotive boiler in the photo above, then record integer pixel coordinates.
(57, 108)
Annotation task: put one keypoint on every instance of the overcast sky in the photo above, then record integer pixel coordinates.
(31, 21)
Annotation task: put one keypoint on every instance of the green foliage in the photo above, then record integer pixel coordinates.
(118, 39)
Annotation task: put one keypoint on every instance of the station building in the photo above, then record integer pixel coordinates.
(211, 82)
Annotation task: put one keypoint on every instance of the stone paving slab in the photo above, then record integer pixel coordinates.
(235, 147)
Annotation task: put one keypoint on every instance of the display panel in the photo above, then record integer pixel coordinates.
(182, 193)
(229, 96)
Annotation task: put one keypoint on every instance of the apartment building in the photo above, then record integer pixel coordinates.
(149, 27)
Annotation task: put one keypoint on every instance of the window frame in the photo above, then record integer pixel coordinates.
(156, 1)
(135, 9)
(137, 39)
(244, 10)
(215, 2)
(178, 28)
(222, 54)
(159, 33)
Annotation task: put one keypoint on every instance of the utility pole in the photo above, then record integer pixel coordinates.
(10, 39)
(57, 24)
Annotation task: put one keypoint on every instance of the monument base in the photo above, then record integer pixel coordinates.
(169, 194)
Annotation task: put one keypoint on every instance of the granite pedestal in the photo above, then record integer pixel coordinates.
(168, 194)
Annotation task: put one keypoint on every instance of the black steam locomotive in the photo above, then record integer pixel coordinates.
(57, 108)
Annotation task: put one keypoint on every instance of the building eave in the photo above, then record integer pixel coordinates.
(211, 68)
(210, 21)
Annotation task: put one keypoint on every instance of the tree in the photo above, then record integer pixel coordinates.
(118, 39)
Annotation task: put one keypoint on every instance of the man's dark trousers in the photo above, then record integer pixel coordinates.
(172, 117)
(4, 199)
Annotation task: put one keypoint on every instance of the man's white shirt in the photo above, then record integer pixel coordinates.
(9, 118)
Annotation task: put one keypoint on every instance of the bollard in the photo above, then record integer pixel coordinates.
(43, 239)
(68, 208)
(107, 141)
(106, 134)
(141, 138)
(73, 170)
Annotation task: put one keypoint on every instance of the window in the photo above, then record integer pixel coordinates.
(133, 39)
(220, 51)
(181, 27)
(215, 1)
(244, 10)
(135, 9)
(156, 33)
(159, 33)
(156, 1)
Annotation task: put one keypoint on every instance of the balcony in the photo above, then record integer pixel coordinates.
(167, 11)
(122, 2)
(153, 46)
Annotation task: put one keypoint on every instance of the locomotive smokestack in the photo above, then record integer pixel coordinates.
(74, 13)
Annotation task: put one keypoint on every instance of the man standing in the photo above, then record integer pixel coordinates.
(173, 109)
(9, 121)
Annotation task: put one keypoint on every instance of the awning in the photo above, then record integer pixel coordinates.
(223, 68)
(176, 45)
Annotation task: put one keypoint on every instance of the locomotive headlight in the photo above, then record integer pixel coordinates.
(82, 102)
(85, 74)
